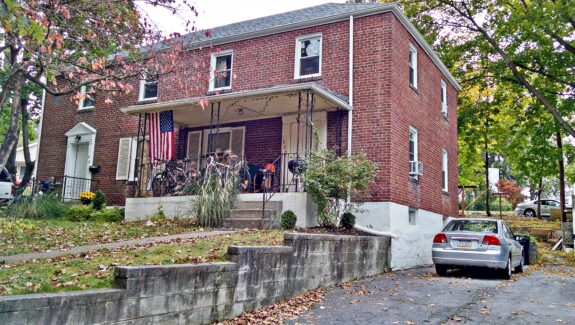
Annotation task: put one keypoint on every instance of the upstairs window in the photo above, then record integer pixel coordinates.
(221, 71)
(412, 65)
(413, 144)
(444, 170)
(308, 56)
(443, 98)
(149, 87)
(87, 99)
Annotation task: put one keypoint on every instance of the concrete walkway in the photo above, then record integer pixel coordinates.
(82, 249)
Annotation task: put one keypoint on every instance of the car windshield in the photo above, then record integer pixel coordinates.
(472, 225)
(4, 175)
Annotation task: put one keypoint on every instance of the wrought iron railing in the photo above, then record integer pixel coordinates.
(73, 186)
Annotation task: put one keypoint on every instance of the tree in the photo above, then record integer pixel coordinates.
(60, 46)
(511, 191)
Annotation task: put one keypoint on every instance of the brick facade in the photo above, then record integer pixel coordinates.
(384, 108)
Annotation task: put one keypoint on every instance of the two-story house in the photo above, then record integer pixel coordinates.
(361, 72)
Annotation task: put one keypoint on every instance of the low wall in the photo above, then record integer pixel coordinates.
(201, 294)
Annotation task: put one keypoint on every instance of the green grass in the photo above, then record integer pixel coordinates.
(517, 222)
(26, 236)
(95, 269)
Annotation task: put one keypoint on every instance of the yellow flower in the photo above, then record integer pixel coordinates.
(87, 196)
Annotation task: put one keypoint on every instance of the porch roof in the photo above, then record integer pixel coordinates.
(246, 104)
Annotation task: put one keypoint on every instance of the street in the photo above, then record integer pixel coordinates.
(544, 295)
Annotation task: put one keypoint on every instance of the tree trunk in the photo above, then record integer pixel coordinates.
(561, 177)
(29, 164)
(539, 198)
(488, 187)
(11, 163)
(11, 138)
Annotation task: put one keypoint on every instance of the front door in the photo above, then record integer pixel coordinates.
(294, 144)
(77, 180)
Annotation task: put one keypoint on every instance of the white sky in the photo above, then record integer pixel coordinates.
(213, 13)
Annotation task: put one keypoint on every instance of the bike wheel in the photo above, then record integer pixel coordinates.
(245, 179)
(158, 186)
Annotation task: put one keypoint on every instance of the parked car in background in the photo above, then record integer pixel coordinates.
(529, 209)
(477, 242)
(6, 185)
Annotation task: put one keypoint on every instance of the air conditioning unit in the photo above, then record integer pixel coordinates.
(415, 168)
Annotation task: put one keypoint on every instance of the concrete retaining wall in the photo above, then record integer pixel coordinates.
(201, 294)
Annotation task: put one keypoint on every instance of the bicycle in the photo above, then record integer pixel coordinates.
(172, 178)
(231, 166)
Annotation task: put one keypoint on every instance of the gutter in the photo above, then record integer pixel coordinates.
(39, 138)
(377, 233)
(350, 90)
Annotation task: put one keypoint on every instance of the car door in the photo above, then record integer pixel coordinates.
(545, 208)
(516, 249)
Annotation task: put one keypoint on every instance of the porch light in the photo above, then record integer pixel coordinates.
(240, 111)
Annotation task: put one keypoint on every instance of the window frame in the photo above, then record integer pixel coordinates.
(143, 83)
(297, 64)
(444, 170)
(206, 138)
(413, 65)
(213, 61)
(444, 98)
(412, 211)
(414, 131)
(83, 91)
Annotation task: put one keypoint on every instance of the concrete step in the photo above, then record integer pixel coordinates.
(252, 213)
(277, 205)
(241, 223)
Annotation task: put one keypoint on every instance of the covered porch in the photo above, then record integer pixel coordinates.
(265, 128)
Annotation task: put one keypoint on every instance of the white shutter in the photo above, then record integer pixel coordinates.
(123, 166)
(237, 143)
(194, 145)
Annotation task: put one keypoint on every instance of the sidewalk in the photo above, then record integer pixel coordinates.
(82, 249)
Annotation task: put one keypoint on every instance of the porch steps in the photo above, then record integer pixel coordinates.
(248, 214)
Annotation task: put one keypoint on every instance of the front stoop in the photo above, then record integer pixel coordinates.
(248, 214)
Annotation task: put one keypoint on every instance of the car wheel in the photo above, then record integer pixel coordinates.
(506, 272)
(441, 270)
(519, 268)
(529, 213)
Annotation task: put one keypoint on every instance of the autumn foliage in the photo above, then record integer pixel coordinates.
(511, 191)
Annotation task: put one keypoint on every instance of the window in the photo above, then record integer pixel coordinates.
(221, 70)
(413, 144)
(308, 56)
(412, 66)
(87, 99)
(127, 155)
(444, 98)
(480, 226)
(226, 139)
(412, 216)
(445, 185)
(149, 88)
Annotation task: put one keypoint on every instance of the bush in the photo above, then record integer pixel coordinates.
(107, 215)
(36, 207)
(78, 213)
(99, 200)
(16, 226)
(216, 199)
(348, 220)
(288, 219)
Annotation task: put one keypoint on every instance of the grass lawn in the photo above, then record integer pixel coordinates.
(26, 236)
(514, 221)
(95, 269)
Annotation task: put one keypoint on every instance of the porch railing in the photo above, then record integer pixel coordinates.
(73, 186)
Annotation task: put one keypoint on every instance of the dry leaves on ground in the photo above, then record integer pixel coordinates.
(279, 312)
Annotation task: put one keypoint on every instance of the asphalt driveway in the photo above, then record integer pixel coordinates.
(417, 296)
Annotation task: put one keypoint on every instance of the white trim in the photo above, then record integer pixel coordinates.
(297, 64)
(39, 135)
(81, 101)
(185, 103)
(350, 91)
(413, 64)
(133, 156)
(414, 131)
(143, 83)
(86, 134)
(443, 98)
(213, 68)
(444, 170)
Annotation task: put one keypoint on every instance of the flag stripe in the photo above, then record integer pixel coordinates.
(161, 136)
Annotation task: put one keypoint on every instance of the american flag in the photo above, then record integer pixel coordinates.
(161, 136)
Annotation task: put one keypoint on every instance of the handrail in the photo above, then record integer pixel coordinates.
(264, 201)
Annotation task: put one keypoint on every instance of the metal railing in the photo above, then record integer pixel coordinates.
(289, 180)
(73, 186)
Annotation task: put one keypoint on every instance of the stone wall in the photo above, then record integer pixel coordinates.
(200, 294)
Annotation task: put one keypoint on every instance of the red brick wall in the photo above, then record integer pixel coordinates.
(384, 107)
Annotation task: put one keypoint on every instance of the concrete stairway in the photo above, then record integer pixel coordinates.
(248, 214)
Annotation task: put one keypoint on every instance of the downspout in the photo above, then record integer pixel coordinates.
(350, 91)
(39, 135)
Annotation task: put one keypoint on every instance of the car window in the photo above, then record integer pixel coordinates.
(508, 231)
(472, 226)
(5, 176)
(553, 203)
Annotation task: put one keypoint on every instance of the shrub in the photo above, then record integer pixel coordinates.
(99, 200)
(16, 226)
(107, 215)
(216, 198)
(330, 179)
(87, 197)
(36, 207)
(78, 213)
(348, 220)
(288, 219)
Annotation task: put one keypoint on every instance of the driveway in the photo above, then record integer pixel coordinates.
(540, 296)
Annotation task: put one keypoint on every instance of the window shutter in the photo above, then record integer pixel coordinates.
(237, 145)
(194, 144)
(123, 166)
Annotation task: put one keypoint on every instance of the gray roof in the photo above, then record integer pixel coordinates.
(287, 18)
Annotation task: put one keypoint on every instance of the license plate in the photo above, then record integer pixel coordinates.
(464, 244)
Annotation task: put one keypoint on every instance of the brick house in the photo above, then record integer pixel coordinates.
(361, 72)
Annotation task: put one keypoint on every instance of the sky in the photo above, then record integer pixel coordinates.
(213, 13)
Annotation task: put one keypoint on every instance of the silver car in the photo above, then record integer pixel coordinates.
(477, 242)
(528, 208)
